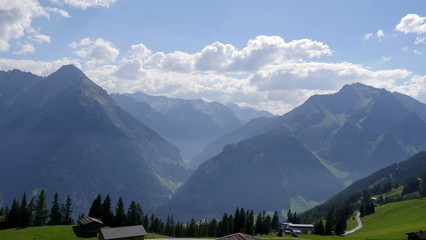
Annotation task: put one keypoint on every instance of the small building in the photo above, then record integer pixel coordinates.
(291, 228)
(416, 235)
(89, 224)
(136, 232)
(240, 236)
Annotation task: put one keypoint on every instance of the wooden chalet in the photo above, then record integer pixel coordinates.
(89, 224)
(240, 236)
(416, 235)
(136, 232)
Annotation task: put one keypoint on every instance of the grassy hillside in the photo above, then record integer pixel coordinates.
(51, 233)
(393, 220)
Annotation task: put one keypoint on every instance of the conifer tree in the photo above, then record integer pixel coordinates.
(96, 208)
(275, 221)
(24, 212)
(14, 214)
(134, 214)
(249, 223)
(67, 211)
(120, 216)
(41, 212)
(107, 215)
(55, 217)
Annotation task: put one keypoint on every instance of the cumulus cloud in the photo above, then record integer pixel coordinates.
(323, 76)
(412, 23)
(15, 18)
(420, 40)
(83, 4)
(380, 33)
(97, 51)
(41, 68)
(26, 48)
(130, 70)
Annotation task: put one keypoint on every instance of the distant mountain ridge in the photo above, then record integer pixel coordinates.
(351, 134)
(65, 134)
(189, 124)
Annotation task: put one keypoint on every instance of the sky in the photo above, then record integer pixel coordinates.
(270, 54)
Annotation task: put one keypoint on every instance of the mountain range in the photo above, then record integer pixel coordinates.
(189, 124)
(348, 135)
(65, 134)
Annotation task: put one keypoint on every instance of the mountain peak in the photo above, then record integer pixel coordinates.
(69, 72)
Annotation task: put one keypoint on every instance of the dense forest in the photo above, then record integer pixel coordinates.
(36, 213)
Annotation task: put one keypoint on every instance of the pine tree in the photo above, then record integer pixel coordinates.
(41, 212)
(24, 212)
(107, 215)
(319, 228)
(13, 217)
(213, 227)
(340, 225)
(329, 224)
(96, 208)
(275, 221)
(120, 216)
(249, 223)
(289, 216)
(67, 211)
(169, 229)
(55, 212)
(134, 214)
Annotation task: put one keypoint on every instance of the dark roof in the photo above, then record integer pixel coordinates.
(419, 235)
(88, 220)
(240, 236)
(123, 232)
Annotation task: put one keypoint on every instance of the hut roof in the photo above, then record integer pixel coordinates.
(239, 236)
(88, 220)
(123, 232)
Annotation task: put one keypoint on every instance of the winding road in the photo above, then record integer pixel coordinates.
(358, 219)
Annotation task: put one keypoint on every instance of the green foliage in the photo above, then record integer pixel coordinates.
(41, 212)
(55, 212)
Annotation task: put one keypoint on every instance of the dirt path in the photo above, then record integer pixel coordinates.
(358, 219)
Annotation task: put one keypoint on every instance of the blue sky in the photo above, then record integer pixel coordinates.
(270, 55)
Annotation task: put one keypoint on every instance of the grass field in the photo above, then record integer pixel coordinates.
(65, 232)
(391, 221)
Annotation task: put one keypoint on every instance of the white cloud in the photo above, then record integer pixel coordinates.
(266, 50)
(323, 76)
(61, 12)
(412, 23)
(380, 33)
(83, 4)
(97, 51)
(41, 68)
(420, 40)
(140, 51)
(386, 59)
(367, 36)
(15, 18)
(26, 48)
(404, 48)
(130, 70)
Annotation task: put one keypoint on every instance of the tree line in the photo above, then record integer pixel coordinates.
(244, 221)
(34, 212)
